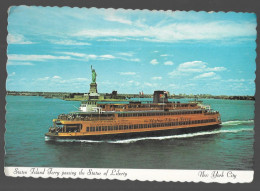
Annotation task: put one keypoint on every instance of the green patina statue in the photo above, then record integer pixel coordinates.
(94, 75)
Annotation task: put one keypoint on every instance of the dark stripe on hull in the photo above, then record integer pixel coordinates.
(157, 133)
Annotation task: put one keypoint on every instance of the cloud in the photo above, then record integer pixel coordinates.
(112, 17)
(17, 39)
(235, 80)
(216, 30)
(112, 40)
(78, 80)
(24, 57)
(130, 54)
(206, 75)
(102, 57)
(157, 78)
(127, 73)
(217, 69)
(69, 42)
(44, 78)
(56, 77)
(154, 62)
(148, 84)
(168, 63)
(108, 56)
(198, 66)
(135, 60)
(132, 82)
(75, 54)
(193, 67)
(12, 74)
(19, 64)
(164, 55)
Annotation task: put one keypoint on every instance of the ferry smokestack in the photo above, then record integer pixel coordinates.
(160, 96)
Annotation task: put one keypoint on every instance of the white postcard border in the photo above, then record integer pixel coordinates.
(207, 176)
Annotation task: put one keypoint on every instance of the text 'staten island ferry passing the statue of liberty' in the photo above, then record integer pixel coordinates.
(100, 121)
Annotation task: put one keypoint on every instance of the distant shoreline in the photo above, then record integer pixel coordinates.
(80, 96)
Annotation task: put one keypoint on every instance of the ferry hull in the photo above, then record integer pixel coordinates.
(121, 136)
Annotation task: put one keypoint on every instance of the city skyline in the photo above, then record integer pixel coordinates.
(52, 49)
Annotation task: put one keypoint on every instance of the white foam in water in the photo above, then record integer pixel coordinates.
(179, 136)
(229, 123)
(188, 135)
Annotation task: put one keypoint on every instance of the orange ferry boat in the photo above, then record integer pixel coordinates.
(100, 121)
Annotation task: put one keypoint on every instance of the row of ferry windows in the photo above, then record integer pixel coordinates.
(158, 113)
(142, 126)
(160, 106)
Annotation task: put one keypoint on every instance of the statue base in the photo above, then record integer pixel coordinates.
(93, 88)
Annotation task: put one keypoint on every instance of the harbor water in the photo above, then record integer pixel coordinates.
(28, 118)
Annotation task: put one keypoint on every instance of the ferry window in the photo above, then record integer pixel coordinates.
(103, 128)
(120, 127)
(125, 126)
(87, 129)
(135, 126)
(141, 126)
(130, 126)
(99, 128)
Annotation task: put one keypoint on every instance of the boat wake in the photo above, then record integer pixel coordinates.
(231, 123)
(182, 136)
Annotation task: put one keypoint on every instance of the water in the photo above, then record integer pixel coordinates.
(229, 148)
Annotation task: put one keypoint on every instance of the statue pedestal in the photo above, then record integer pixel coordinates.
(93, 88)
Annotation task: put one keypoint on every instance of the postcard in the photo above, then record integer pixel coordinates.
(130, 94)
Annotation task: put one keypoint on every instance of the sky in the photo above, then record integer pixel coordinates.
(53, 48)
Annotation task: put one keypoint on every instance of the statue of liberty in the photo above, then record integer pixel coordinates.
(94, 75)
